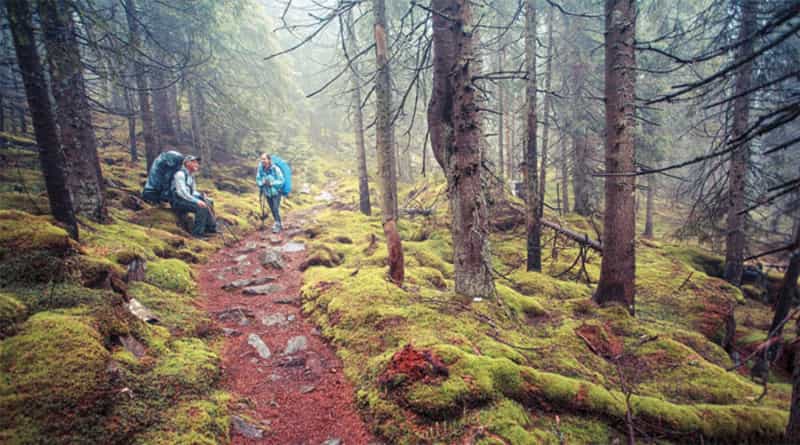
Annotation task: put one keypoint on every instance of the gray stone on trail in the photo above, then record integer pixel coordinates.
(291, 318)
(305, 389)
(305, 189)
(334, 441)
(275, 239)
(262, 349)
(240, 258)
(287, 300)
(276, 319)
(244, 282)
(231, 332)
(251, 246)
(264, 289)
(296, 344)
(293, 247)
(245, 428)
(273, 259)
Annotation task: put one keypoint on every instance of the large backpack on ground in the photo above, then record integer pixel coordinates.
(159, 180)
(287, 173)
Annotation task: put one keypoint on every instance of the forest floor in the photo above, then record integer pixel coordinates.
(286, 380)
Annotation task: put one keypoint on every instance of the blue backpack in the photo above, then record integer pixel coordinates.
(159, 180)
(287, 173)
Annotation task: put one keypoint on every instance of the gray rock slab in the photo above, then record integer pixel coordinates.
(276, 319)
(296, 344)
(245, 428)
(245, 282)
(273, 259)
(293, 247)
(262, 349)
(264, 289)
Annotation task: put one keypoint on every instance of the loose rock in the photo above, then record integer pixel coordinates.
(240, 258)
(335, 441)
(296, 344)
(273, 260)
(262, 349)
(237, 284)
(287, 300)
(293, 247)
(251, 246)
(305, 389)
(277, 319)
(265, 289)
(246, 429)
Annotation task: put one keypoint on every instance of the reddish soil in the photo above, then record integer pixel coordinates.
(298, 399)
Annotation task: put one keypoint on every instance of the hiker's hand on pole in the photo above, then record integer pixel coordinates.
(202, 204)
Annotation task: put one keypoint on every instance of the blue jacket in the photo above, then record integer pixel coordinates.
(270, 180)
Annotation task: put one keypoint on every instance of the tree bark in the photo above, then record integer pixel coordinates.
(648, 216)
(175, 104)
(162, 106)
(548, 105)
(131, 110)
(199, 133)
(564, 176)
(384, 141)
(501, 110)
(44, 124)
(358, 126)
(454, 123)
(532, 195)
(151, 144)
(78, 140)
(581, 174)
(793, 426)
(618, 267)
(737, 175)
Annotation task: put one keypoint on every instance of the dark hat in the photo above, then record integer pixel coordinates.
(192, 158)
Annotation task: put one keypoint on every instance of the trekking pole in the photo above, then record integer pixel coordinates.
(261, 199)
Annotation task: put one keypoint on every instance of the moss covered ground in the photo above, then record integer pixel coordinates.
(65, 376)
(519, 367)
(518, 372)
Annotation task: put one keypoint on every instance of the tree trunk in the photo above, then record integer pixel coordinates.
(564, 176)
(793, 427)
(548, 105)
(455, 129)
(131, 110)
(2, 120)
(581, 174)
(618, 267)
(532, 195)
(202, 146)
(737, 176)
(501, 110)
(648, 216)
(44, 124)
(358, 126)
(384, 141)
(162, 106)
(78, 140)
(151, 145)
(510, 120)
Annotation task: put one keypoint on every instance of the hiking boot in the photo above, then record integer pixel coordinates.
(276, 228)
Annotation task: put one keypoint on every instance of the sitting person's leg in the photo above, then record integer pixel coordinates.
(211, 222)
(201, 215)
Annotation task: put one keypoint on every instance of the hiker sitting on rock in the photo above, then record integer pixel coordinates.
(186, 198)
(269, 180)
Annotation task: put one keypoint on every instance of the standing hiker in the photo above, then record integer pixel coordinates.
(270, 181)
(186, 198)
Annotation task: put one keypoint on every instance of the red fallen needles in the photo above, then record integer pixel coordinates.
(410, 365)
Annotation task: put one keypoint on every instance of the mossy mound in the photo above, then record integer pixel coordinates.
(56, 364)
(199, 422)
(542, 350)
(12, 312)
(171, 274)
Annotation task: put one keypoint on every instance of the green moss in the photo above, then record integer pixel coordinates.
(54, 378)
(189, 365)
(701, 260)
(174, 310)
(11, 313)
(193, 423)
(541, 285)
(171, 274)
(22, 232)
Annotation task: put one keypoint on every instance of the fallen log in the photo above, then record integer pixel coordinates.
(580, 238)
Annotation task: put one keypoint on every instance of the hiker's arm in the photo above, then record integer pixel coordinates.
(277, 178)
(260, 176)
(182, 190)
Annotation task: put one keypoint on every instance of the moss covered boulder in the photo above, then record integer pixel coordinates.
(53, 380)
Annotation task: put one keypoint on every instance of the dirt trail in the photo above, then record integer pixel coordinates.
(287, 383)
